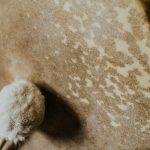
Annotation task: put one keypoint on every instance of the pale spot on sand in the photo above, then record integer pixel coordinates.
(64, 40)
(111, 116)
(77, 84)
(84, 100)
(34, 27)
(57, 52)
(115, 124)
(72, 29)
(145, 127)
(68, 96)
(89, 72)
(122, 46)
(90, 43)
(122, 107)
(48, 36)
(97, 67)
(77, 78)
(76, 94)
(76, 45)
(83, 59)
(89, 82)
(70, 86)
(46, 57)
(56, 2)
(67, 6)
(95, 24)
(74, 60)
(57, 25)
(123, 19)
(42, 12)
(99, 102)
(28, 15)
(78, 18)
(78, 2)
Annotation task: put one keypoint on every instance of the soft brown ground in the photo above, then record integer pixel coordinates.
(93, 54)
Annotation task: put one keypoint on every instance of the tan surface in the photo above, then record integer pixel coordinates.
(96, 55)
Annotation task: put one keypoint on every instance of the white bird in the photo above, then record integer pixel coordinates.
(22, 108)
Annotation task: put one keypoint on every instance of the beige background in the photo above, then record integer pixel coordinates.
(96, 55)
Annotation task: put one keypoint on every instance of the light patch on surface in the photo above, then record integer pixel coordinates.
(102, 51)
(57, 52)
(76, 94)
(89, 3)
(145, 128)
(28, 15)
(144, 80)
(64, 40)
(115, 124)
(84, 100)
(18, 67)
(130, 104)
(35, 27)
(90, 40)
(77, 78)
(89, 72)
(90, 43)
(89, 82)
(95, 24)
(108, 82)
(72, 29)
(83, 59)
(111, 116)
(78, 18)
(77, 84)
(56, 2)
(46, 57)
(76, 45)
(146, 93)
(109, 94)
(67, 6)
(123, 18)
(42, 12)
(99, 102)
(70, 86)
(122, 107)
(78, 2)
(57, 25)
(96, 67)
(122, 46)
(124, 70)
(116, 89)
(74, 60)
(48, 36)
(144, 48)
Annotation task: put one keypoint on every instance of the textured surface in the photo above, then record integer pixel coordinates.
(96, 54)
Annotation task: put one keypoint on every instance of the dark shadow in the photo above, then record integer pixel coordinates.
(9, 146)
(61, 121)
(146, 5)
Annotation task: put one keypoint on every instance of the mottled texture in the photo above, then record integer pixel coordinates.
(96, 54)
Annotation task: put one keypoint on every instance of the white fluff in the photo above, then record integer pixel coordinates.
(21, 110)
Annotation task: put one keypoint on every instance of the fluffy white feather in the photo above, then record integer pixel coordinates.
(22, 109)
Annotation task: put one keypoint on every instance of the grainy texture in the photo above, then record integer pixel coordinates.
(96, 54)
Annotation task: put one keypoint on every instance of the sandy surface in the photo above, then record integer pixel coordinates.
(91, 60)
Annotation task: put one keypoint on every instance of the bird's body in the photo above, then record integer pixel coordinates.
(22, 109)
